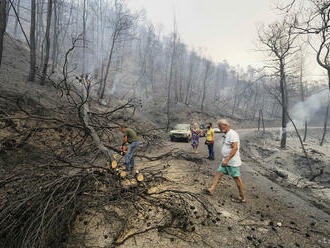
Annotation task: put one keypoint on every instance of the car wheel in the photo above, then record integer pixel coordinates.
(172, 139)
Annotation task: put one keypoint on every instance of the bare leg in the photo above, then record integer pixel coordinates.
(240, 187)
(215, 182)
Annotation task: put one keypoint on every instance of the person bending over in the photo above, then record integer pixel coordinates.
(130, 137)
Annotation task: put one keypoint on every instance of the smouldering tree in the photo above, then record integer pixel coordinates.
(318, 23)
(192, 65)
(122, 24)
(313, 20)
(207, 73)
(278, 41)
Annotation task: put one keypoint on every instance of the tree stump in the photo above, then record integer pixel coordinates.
(139, 176)
(123, 174)
(114, 164)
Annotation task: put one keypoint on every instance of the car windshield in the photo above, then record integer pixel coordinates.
(182, 127)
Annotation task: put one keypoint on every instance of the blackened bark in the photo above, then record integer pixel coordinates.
(47, 38)
(326, 113)
(3, 23)
(33, 41)
(284, 103)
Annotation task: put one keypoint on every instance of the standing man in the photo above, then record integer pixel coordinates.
(210, 141)
(231, 160)
(130, 137)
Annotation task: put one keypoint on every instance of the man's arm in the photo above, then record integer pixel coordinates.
(234, 149)
(125, 140)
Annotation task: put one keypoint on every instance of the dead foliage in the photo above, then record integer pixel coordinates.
(55, 166)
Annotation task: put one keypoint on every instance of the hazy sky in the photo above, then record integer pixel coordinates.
(225, 29)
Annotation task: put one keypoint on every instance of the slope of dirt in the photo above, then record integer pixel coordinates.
(309, 178)
(155, 110)
(284, 208)
(274, 216)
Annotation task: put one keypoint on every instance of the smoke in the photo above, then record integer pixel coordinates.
(115, 84)
(309, 109)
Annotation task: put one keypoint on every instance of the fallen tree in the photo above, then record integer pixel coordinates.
(57, 163)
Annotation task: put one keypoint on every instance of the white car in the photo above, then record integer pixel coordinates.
(181, 132)
(216, 130)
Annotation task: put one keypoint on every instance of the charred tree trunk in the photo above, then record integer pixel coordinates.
(181, 79)
(207, 70)
(279, 39)
(84, 38)
(255, 103)
(325, 122)
(170, 81)
(33, 42)
(55, 36)
(121, 24)
(261, 121)
(326, 113)
(16, 20)
(176, 86)
(60, 45)
(284, 104)
(40, 32)
(3, 24)
(152, 74)
(189, 83)
(104, 84)
(235, 95)
(47, 38)
(302, 95)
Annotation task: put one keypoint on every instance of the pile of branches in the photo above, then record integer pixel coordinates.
(55, 164)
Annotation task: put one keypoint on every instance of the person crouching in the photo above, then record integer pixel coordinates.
(130, 137)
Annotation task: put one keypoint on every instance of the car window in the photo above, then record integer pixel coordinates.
(182, 127)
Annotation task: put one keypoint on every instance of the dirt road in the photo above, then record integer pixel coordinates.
(274, 216)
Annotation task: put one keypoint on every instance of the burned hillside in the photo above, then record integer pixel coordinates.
(119, 132)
